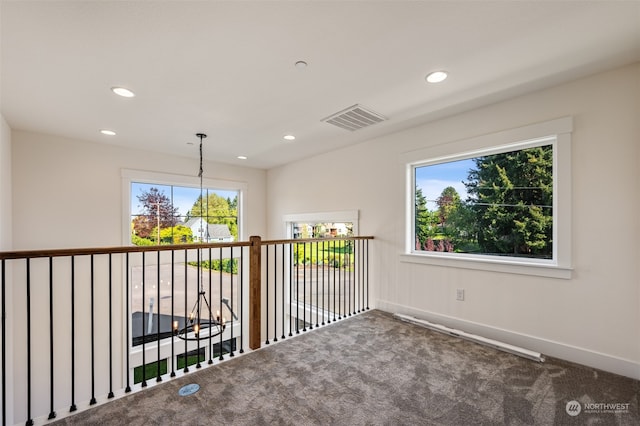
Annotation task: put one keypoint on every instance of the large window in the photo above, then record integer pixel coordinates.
(496, 202)
(173, 214)
(165, 287)
(161, 208)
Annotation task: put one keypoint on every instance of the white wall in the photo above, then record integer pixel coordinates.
(5, 185)
(6, 242)
(593, 318)
(67, 193)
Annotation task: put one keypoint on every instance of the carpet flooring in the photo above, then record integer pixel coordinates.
(372, 369)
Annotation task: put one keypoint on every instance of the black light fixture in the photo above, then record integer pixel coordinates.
(201, 322)
(195, 324)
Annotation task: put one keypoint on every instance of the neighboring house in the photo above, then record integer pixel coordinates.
(302, 230)
(208, 232)
(320, 230)
(338, 229)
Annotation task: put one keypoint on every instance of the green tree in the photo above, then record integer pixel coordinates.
(461, 228)
(156, 208)
(137, 241)
(233, 204)
(425, 221)
(216, 210)
(448, 202)
(512, 195)
(178, 234)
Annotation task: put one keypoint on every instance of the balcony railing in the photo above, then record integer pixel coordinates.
(82, 326)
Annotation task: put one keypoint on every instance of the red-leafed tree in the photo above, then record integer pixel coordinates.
(156, 209)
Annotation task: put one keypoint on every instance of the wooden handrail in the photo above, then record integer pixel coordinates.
(255, 243)
(314, 240)
(31, 254)
(24, 254)
(347, 295)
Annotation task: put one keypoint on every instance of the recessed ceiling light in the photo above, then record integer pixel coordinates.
(289, 137)
(436, 76)
(108, 132)
(301, 64)
(121, 91)
(241, 157)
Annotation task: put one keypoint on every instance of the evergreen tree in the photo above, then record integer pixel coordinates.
(511, 195)
(448, 202)
(421, 224)
(425, 221)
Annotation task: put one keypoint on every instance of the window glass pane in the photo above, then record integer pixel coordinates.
(184, 199)
(322, 229)
(317, 262)
(179, 215)
(499, 204)
(137, 189)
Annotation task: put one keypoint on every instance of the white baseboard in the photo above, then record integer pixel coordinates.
(551, 348)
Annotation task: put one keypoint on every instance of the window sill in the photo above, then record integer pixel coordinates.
(490, 265)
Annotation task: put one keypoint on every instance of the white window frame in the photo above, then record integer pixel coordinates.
(140, 176)
(130, 176)
(344, 216)
(556, 132)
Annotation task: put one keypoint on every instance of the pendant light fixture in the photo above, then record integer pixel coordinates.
(201, 323)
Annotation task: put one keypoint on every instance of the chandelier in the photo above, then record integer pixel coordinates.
(196, 326)
(201, 323)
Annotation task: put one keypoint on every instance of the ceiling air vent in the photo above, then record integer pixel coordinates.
(353, 118)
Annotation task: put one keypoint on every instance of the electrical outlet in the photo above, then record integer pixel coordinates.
(460, 294)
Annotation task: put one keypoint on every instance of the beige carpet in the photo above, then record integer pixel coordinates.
(372, 369)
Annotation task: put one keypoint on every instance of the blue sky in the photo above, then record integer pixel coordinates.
(183, 197)
(433, 179)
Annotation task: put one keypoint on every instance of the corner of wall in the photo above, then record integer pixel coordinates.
(5, 185)
(6, 243)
